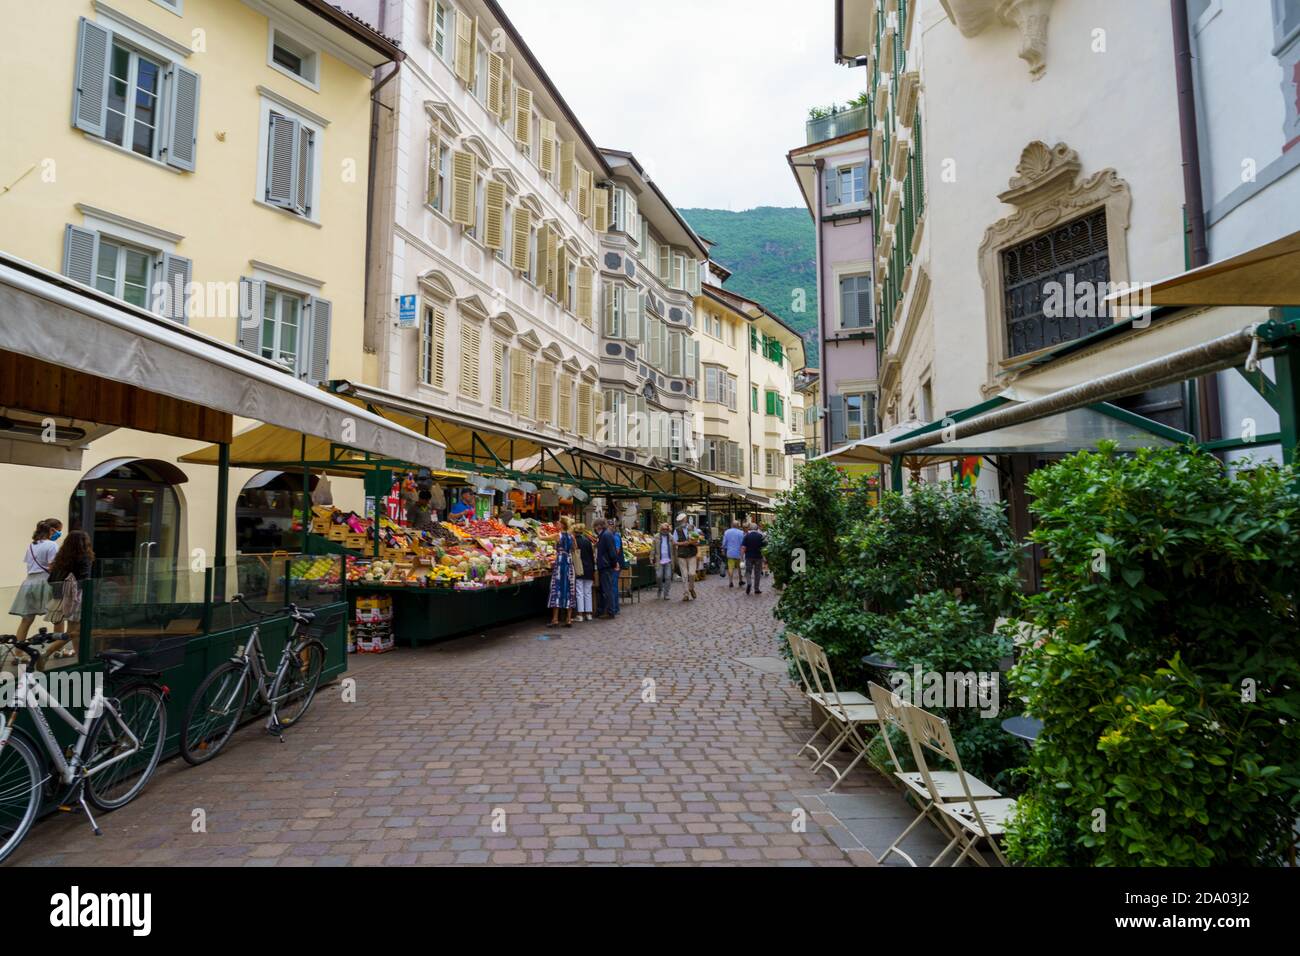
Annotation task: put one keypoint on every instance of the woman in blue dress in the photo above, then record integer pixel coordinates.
(564, 583)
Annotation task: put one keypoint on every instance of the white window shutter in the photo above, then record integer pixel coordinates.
(251, 302)
(318, 365)
(177, 272)
(183, 118)
(469, 360)
(80, 254)
(90, 82)
(281, 167)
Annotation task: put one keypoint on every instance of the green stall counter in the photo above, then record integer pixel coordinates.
(425, 615)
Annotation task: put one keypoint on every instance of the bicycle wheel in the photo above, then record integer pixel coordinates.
(295, 685)
(144, 713)
(20, 792)
(214, 712)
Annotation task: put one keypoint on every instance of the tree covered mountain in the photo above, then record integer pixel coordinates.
(772, 251)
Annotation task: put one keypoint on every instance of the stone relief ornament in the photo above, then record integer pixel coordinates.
(1030, 17)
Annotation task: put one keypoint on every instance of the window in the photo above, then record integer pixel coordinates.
(439, 159)
(675, 438)
(753, 398)
(855, 302)
(775, 405)
(290, 164)
(1074, 255)
(442, 18)
(713, 325)
(848, 184)
(859, 416)
(134, 99)
(615, 423)
(679, 271)
(281, 327)
(293, 58)
(571, 287)
(613, 311)
(134, 88)
(500, 374)
(774, 466)
(123, 272)
(753, 462)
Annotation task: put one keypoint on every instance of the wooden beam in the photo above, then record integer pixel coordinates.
(28, 384)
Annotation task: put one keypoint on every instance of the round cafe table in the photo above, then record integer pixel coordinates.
(1026, 728)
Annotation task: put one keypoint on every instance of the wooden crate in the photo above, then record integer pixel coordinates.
(339, 532)
(356, 542)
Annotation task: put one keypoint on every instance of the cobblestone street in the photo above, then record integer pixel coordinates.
(509, 749)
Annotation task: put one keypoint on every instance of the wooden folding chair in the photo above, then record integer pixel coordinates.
(810, 693)
(971, 819)
(890, 708)
(849, 717)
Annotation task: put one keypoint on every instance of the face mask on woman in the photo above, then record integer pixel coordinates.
(54, 535)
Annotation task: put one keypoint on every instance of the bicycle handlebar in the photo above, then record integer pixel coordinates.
(291, 608)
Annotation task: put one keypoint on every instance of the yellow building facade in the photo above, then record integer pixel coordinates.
(207, 161)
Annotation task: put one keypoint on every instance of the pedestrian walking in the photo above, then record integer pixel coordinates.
(731, 539)
(564, 579)
(608, 560)
(34, 593)
(616, 530)
(688, 556)
(70, 567)
(585, 570)
(665, 552)
(752, 548)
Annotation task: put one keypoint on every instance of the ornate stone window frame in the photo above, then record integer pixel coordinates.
(1047, 189)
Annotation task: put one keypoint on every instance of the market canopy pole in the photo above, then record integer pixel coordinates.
(1221, 352)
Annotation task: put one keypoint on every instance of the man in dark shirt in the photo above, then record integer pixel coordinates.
(608, 560)
(751, 547)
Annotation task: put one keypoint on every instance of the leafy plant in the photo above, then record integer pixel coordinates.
(1169, 677)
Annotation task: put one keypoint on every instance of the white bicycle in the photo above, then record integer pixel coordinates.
(119, 742)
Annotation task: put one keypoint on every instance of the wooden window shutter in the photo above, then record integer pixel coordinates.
(546, 157)
(566, 166)
(320, 316)
(183, 118)
(632, 316)
(281, 171)
(665, 262)
(553, 262)
(523, 116)
(464, 173)
(496, 79)
(585, 275)
(464, 60)
(499, 353)
(546, 393)
(543, 232)
(584, 409)
(602, 210)
(177, 271)
(584, 193)
(494, 211)
(90, 81)
(562, 276)
(507, 91)
(523, 224)
(438, 351)
(565, 403)
(518, 384)
(470, 344)
(80, 248)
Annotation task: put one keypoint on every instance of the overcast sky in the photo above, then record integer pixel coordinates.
(709, 94)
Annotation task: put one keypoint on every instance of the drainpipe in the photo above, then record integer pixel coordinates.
(820, 164)
(1209, 424)
(371, 336)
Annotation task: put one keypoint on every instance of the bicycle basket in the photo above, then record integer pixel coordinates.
(155, 653)
(326, 623)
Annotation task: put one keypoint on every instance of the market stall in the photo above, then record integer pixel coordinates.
(71, 354)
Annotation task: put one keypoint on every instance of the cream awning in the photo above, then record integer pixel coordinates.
(875, 450)
(708, 486)
(50, 318)
(1267, 275)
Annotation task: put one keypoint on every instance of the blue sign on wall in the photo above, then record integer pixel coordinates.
(406, 311)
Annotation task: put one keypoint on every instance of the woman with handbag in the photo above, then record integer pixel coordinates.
(564, 589)
(70, 567)
(33, 596)
(585, 568)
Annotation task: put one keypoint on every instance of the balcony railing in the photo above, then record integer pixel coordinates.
(837, 124)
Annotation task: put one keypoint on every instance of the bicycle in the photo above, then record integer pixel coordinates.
(215, 710)
(120, 740)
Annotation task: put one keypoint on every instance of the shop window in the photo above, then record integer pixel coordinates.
(267, 510)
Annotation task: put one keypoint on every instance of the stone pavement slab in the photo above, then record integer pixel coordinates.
(649, 739)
